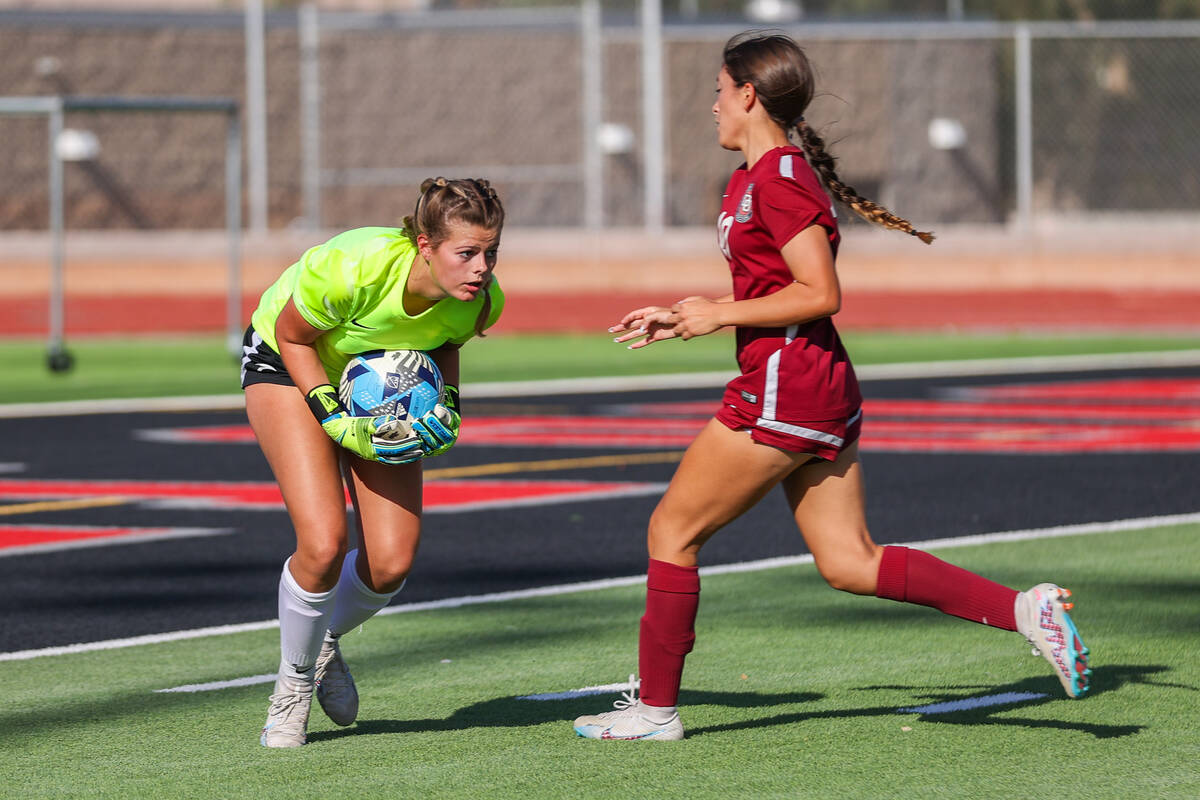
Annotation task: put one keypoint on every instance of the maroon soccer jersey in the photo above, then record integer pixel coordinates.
(800, 373)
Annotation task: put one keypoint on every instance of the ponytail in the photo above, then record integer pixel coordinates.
(814, 148)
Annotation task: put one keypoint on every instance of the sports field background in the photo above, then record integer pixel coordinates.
(794, 690)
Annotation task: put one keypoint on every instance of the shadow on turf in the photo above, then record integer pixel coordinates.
(1104, 679)
(510, 712)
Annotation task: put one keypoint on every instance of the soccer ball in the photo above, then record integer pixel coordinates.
(405, 383)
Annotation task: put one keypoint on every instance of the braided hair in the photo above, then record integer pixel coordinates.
(444, 202)
(783, 80)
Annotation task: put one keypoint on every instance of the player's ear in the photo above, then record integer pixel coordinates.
(424, 246)
(749, 95)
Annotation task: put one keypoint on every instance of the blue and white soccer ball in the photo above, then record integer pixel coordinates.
(405, 383)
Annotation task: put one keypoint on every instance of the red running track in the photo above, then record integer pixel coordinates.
(997, 310)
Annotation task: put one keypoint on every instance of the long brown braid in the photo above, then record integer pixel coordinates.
(783, 81)
(814, 148)
(443, 202)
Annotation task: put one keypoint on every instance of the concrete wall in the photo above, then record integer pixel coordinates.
(411, 97)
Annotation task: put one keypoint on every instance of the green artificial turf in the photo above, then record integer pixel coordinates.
(793, 690)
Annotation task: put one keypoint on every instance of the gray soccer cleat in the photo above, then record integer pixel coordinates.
(287, 718)
(335, 686)
(628, 722)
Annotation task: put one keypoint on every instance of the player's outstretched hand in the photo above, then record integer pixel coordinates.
(438, 427)
(383, 438)
(696, 316)
(649, 324)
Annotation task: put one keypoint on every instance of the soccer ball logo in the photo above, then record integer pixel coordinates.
(405, 383)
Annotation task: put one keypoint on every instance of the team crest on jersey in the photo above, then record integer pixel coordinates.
(746, 207)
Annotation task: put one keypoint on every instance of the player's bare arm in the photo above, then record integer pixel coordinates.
(295, 337)
(447, 359)
(816, 293)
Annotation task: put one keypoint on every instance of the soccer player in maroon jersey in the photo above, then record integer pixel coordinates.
(792, 417)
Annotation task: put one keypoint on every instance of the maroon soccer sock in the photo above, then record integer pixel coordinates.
(668, 630)
(914, 576)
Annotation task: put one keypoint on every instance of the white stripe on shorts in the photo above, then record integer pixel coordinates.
(807, 433)
(771, 381)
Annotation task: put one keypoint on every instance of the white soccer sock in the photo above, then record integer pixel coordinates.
(302, 623)
(354, 603)
(659, 715)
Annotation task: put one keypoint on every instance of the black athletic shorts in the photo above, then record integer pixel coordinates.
(261, 364)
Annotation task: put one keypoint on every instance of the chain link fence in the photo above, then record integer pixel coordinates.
(948, 119)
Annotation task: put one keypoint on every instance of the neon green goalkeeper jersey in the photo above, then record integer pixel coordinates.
(352, 287)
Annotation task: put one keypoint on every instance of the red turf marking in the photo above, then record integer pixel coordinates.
(1150, 390)
(23, 535)
(438, 494)
(1091, 416)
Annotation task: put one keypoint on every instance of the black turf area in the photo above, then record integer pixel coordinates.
(101, 593)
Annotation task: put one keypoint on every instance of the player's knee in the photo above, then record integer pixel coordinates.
(321, 553)
(667, 538)
(854, 572)
(390, 578)
(389, 569)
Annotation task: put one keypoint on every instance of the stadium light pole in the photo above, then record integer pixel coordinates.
(256, 115)
(310, 111)
(1023, 56)
(653, 148)
(591, 55)
(57, 357)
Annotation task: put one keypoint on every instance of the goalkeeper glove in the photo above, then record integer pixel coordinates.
(383, 438)
(438, 427)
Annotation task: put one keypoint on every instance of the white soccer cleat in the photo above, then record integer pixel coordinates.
(287, 718)
(628, 722)
(335, 686)
(1042, 618)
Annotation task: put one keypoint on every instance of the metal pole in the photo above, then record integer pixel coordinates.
(310, 112)
(233, 224)
(256, 114)
(1023, 56)
(653, 94)
(591, 54)
(56, 236)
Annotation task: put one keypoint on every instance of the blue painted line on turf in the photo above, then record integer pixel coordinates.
(252, 680)
(970, 703)
(586, 691)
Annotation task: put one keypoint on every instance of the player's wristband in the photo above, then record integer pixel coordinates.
(323, 402)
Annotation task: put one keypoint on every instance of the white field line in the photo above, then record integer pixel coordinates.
(686, 380)
(252, 680)
(151, 535)
(609, 583)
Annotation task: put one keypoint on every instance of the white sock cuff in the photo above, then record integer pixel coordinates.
(350, 572)
(288, 582)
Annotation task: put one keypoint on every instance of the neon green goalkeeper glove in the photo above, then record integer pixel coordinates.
(438, 427)
(384, 438)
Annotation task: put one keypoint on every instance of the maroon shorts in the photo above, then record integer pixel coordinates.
(824, 438)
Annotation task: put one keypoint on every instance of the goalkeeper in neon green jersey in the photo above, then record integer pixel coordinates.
(425, 286)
